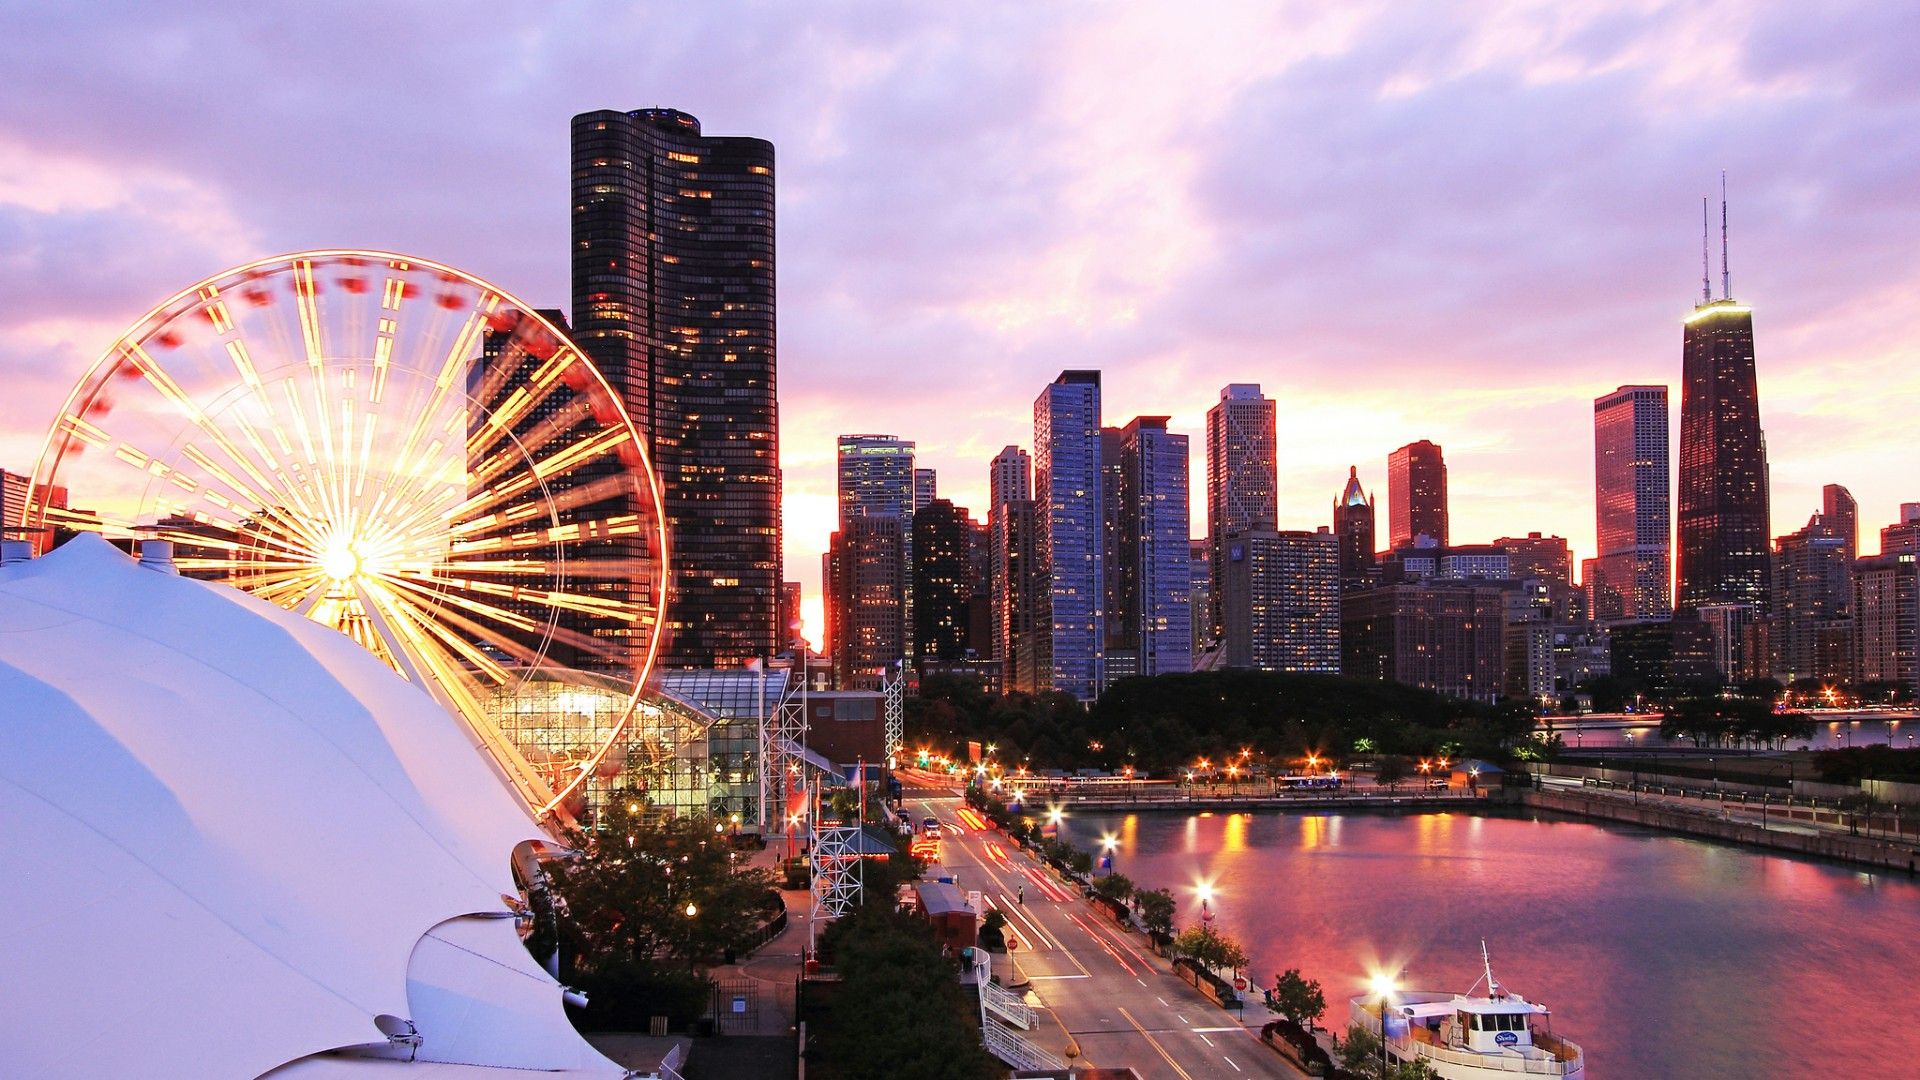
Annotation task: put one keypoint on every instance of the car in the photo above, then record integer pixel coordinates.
(930, 828)
(1437, 782)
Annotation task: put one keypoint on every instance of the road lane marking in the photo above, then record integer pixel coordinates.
(1229, 1061)
(1051, 978)
(1206, 1040)
(1155, 1043)
(1163, 1001)
(1142, 982)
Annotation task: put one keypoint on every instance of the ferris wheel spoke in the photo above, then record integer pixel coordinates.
(401, 452)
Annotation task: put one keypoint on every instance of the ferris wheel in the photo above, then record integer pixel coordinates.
(399, 450)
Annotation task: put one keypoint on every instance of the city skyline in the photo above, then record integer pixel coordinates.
(1518, 286)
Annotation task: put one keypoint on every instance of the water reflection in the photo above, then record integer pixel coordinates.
(1662, 956)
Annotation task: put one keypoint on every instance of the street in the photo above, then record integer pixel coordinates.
(1096, 986)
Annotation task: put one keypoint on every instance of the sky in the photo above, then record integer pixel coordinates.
(1454, 222)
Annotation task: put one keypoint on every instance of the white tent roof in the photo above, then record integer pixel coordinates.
(232, 839)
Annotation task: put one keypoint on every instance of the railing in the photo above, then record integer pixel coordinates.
(1017, 1051)
(1557, 1060)
(1007, 1005)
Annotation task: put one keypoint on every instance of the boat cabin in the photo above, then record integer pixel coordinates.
(1482, 1025)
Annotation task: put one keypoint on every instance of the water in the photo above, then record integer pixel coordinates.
(1661, 956)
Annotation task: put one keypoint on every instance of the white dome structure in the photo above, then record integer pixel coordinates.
(238, 844)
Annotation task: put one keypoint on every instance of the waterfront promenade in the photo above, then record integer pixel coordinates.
(1104, 998)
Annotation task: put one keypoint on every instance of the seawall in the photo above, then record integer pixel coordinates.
(1863, 850)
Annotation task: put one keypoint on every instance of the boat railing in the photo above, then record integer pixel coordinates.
(1557, 1058)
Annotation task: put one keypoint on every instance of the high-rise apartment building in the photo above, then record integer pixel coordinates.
(1009, 477)
(1446, 638)
(1242, 479)
(1629, 577)
(1283, 601)
(793, 633)
(1416, 495)
(1353, 525)
(1841, 514)
(673, 300)
(1904, 537)
(1153, 553)
(876, 477)
(1019, 579)
(1812, 592)
(1119, 656)
(1723, 524)
(14, 488)
(926, 488)
(1200, 595)
(865, 565)
(1066, 482)
(942, 583)
(1886, 622)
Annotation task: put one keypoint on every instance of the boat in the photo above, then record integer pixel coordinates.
(1468, 1037)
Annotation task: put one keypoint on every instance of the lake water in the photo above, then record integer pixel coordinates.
(1661, 956)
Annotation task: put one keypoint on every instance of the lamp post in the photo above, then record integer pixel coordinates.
(691, 912)
(1383, 987)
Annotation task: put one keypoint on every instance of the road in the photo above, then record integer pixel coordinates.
(1098, 987)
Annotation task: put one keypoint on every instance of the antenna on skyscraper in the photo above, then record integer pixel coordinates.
(1726, 279)
(1706, 267)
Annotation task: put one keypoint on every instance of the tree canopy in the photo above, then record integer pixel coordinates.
(1169, 721)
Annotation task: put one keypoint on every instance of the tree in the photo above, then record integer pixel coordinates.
(626, 896)
(1390, 771)
(1156, 910)
(993, 936)
(1360, 1055)
(1210, 947)
(1114, 887)
(1298, 999)
(898, 1010)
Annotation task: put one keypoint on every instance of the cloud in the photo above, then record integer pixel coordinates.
(1432, 221)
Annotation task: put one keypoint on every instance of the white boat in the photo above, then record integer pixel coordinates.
(1464, 1037)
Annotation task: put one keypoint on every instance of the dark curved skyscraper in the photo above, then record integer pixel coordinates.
(673, 299)
(1723, 523)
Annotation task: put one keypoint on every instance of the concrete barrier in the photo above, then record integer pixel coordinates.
(1864, 850)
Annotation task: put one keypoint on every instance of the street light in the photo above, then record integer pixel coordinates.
(1384, 988)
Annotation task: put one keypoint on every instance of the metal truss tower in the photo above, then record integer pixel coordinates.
(895, 689)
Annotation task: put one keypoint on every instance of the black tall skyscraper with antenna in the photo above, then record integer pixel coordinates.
(1723, 519)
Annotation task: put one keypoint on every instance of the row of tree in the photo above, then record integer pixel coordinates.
(1167, 722)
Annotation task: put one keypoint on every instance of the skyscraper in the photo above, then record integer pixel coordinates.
(1628, 578)
(1242, 489)
(1723, 523)
(1886, 622)
(926, 488)
(1416, 495)
(673, 300)
(1154, 551)
(1450, 639)
(877, 479)
(1118, 655)
(1283, 601)
(868, 627)
(1812, 592)
(876, 475)
(942, 583)
(1066, 482)
(1353, 526)
(1010, 477)
(1019, 579)
(1904, 536)
(1200, 596)
(1842, 515)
